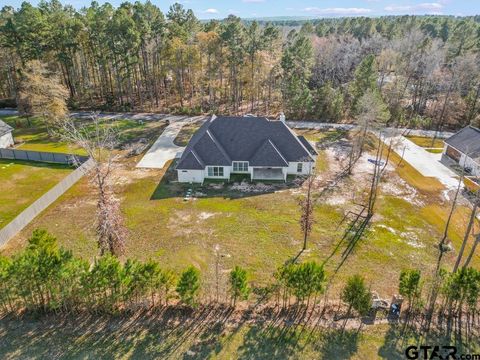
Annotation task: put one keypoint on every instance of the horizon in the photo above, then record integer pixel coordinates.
(302, 9)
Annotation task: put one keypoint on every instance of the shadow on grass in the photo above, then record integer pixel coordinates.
(171, 333)
(287, 336)
(164, 333)
(337, 345)
(397, 340)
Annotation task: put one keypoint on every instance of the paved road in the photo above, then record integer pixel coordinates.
(334, 126)
(293, 124)
(164, 149)
(424, 162)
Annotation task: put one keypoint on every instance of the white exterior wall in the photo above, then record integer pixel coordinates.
(469, 163)
(292, 168)
(6, 141)
(198, 176)
(191, 176)
(445, 147)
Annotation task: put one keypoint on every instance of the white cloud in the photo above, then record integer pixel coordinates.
(253, 1)
(429, 8)
(211, 11)
(337, 11)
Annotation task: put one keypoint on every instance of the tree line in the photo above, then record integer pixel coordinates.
(425, 69)
(45, 278)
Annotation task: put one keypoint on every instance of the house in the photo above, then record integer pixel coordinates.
(464, 149)
(255, 146)
(6, 137)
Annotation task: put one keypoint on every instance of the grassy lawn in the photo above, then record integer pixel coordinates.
(186, 133)
(211, 336)
(34, 135)
(261, 231)
(23, 182)
(426, 142)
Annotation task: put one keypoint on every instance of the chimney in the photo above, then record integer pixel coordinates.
(282, 117)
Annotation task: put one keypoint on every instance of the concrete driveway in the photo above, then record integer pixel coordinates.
(424, 162)
(164, 149)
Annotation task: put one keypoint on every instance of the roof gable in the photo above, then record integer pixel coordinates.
(307, 145)
(5, 128)
(467, 141)
(191, 162)
(268, 155)
(222, 140)
(210, 151)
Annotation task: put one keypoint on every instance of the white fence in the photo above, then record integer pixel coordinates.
(27, 215)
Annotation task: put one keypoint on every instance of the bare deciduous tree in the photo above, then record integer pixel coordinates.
(307, 204)
(98, 140)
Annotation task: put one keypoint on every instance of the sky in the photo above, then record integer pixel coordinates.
(208, 9)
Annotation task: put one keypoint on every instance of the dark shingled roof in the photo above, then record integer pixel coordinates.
(268, 155)
(221, 140)
(307, 145)
(5, 128)
(467, 141)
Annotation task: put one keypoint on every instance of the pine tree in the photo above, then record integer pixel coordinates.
(239, 288)
(188, 286)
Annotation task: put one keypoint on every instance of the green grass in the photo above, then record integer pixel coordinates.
(213, 336)
(435, 150)
(426, 142)
(33, 135)
(257, 231)
(186, 133)
(23, 182)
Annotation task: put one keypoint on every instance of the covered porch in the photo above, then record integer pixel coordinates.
(268, 173)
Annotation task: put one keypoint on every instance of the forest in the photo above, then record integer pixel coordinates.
(425, 69)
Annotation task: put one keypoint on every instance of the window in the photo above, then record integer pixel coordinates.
(240, 166)
(215, 171)
(299, 167)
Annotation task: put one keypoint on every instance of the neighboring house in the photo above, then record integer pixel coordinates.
(6, 137)
(464, 149)
(255, 146)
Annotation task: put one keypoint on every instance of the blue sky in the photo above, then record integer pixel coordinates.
(206, 9)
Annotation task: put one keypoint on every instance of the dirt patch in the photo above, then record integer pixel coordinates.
(396, 186)
(205, 215)
(411, 238)
(186, 222)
